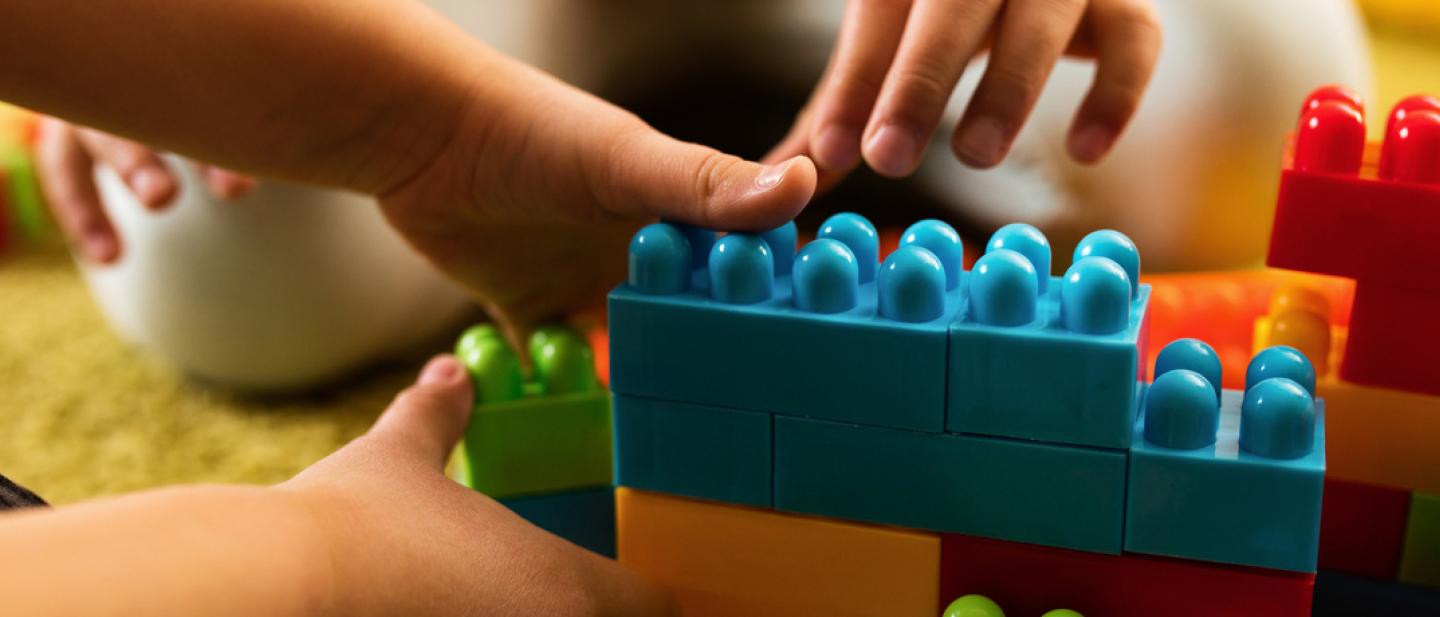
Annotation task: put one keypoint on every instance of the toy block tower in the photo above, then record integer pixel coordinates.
(1370, 214)
(819, 431)
(541, 446)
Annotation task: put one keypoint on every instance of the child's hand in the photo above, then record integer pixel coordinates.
(406, 540)
(66, 156)
(896, 64)
(536, 195)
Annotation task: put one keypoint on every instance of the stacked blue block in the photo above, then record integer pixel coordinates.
(585, 517)
(694, 450)
(817, 382)
(999, 488)
(1236, 482)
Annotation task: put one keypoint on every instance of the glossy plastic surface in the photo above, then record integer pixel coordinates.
(1056, 367)
(1340, 212)
(1420, 560)
(694, 450)
(1262, 475)
(973, 605)
(1017, 490)
(1116, 247)
(1028, 580)
(723, 561)
(939, 238)
(1028, 242)
(1194, 355)
(661, 259)
(1181, 411)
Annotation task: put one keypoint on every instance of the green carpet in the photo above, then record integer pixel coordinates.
(84, 415)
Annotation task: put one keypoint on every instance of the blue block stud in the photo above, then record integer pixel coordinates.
(1245, 490)
(827, 278)
(859, 234)
(912, 286)
(1281, 361)
(660, 260)
(1277, 420)
(701, 240)
(782, 241)
(1095, 297)
(1181, 411)
(939, 238)
(1115, 246)
(1028, 241)
(1193, 355)
(742, 270)
(1002, 289)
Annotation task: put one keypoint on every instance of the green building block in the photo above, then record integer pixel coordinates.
(551, 434)
(23, 192)
(1420, 562)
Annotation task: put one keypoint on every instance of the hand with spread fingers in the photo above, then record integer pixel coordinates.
(897, 62)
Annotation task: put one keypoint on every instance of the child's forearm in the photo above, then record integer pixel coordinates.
(348, 92)
(199, 551)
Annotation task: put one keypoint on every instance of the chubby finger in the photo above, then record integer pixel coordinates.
(940, 38)
(1030, 40)
(644, 173)
(427, 419)
(137, 165)
(869, 35)
(224, 183)
(65, 172)
(1126, 37)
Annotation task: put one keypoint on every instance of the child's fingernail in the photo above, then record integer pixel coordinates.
(1089, 144)
(892, 150)
(983, 143)
(837, 147)
(149, 185)
(771, 175)
(439, 370)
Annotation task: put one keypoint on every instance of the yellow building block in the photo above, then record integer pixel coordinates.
(1372, 435)
(722, 560)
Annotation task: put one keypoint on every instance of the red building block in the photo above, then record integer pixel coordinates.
(1362, 528)
(1028, 580)
(1371, 216)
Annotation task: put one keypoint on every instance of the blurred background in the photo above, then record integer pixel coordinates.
(145, 374)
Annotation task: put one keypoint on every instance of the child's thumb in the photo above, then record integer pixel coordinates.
(648, 174)
(428, 418)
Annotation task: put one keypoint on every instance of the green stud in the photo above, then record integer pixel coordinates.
(475, 335)
(494, 368)
(973, 605)
(564, 362)
(1062, 612)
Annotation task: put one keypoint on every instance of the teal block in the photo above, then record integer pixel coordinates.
(585, 517)
(1040, 381)
(1064, 496)
(693, 450)
(1222, 504)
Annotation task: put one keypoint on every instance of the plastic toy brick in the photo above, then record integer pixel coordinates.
(722, 560)
(1028, 580)
(836, 338)
(693, 450)
(585, 517)
(1376, 435)
(26, 203)
(995, 487)
(1235, 481)
(1343, 595)
(558, 438)
(1362, 528)
(1344, 213)
(1034, 367)
(1420, 562)
(976, 605)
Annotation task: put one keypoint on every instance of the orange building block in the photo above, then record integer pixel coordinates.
(1372, 435)
(722, 560)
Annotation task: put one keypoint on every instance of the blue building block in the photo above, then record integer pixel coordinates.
(1062, 365)
(819, 342)
(1247, 494)
(585, 517)
(1065, 496)
(694, 450)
